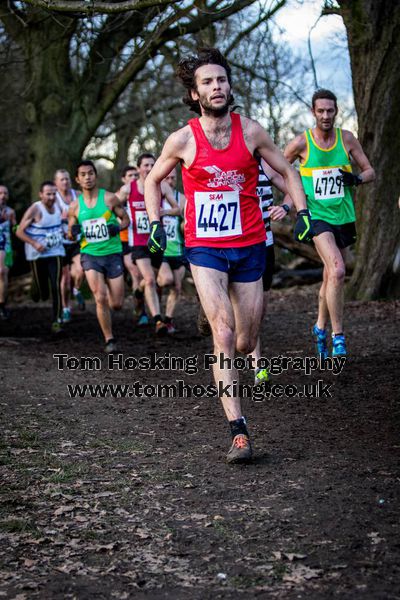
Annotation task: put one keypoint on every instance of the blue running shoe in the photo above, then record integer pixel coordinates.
(143, 320)
(79, 300)
(66, 315)
(338, 345)
(319, 336)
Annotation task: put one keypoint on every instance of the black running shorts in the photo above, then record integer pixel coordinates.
(269, 267)
(345, 235)
(143, 252)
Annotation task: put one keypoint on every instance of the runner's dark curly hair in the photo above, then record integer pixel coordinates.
(187, 68)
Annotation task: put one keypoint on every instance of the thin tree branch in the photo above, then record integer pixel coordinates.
(257, 75)
(311, 54)
(253, 26)
(97, 6)
(112, 90)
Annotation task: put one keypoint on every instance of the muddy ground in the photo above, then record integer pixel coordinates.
(131, 498)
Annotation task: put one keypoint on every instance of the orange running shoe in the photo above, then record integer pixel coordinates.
(240, 451)
(161, 328)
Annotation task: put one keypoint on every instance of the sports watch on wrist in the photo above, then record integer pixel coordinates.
(286, 207)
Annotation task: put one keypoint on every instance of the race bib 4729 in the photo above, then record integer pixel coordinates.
(217, 214)
(327, 184)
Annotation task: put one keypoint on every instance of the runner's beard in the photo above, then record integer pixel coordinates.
(326, 126)
(210, 111)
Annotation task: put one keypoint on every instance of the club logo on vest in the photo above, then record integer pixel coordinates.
(231, 179)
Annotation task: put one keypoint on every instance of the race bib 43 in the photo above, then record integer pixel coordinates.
(142, 221)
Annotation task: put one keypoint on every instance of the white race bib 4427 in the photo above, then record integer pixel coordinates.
(217, 214)
(327, 184)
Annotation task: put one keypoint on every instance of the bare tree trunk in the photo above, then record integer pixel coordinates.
(65, 104)
(373, 30)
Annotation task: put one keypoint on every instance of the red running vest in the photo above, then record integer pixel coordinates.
(222, 207)
(139, 228)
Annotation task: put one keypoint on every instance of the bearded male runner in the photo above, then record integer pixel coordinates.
(224, 230)
(326, 155)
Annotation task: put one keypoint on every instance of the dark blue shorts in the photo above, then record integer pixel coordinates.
(110, 265)
(243, 264)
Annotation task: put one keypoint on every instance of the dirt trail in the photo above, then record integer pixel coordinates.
(131, 498)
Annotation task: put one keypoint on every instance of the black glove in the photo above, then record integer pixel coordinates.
(76, 230)
(158, 239)
(303, 230)
(113, 229)
(349, 179)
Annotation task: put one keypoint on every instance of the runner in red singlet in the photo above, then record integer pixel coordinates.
(128, 174)
(224, 231)
(139, 232)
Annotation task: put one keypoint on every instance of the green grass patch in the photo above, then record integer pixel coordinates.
(67, 473)
(19, 526)
(27, 439)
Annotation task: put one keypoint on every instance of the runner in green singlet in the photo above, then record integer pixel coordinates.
(7, 221)
(172, 270)
(326, 156)
(94, 216)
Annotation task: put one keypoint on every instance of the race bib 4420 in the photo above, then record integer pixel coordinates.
(217, 214)
(327, 184)
(95, 230)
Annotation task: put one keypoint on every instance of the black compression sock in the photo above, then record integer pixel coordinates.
(238, 427)
(157, 318)
(168, 320)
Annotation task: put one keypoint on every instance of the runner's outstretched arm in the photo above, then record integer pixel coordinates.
(273, 156)
(114, 203)
(26, 220)
(170, 156)
(354, 148)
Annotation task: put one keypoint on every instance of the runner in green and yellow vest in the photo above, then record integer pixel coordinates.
(7, 222)
(326, 156)
(94, 216)
(173, 267)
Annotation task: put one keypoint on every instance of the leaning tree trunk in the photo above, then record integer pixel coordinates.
(373, 30)
(55, 120)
